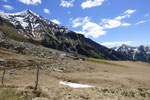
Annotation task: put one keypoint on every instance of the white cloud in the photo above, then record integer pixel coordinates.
(129, 11)
(46, 11)
(5, 0)
(126, 14)
(80, 32)
(117, 22)
(120, 17)
(126, 24)
(146, 15)
(95, 30)
(79, 21)
(88, 28)
(31, 2)
(67, 3)
(8, 7)
(110, 23)
(91, 3)
(56, 21)
(141, 22)
(115, 44)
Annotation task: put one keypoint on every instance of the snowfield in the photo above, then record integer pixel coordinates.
(75, 85)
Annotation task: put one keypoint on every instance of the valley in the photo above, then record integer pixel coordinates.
(115, 80)
(66, 59)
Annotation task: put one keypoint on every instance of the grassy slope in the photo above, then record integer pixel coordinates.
(129, 82)
(101, 62)
(9, 30)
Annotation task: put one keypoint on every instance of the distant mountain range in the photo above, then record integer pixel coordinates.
(141, 53)
(28, 26)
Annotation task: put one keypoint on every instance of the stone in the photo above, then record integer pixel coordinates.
(40, 98)
(2, 60)
(60, 69)
(13, 72)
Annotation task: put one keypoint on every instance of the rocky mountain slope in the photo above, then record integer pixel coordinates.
(28, 26)
(141, 53)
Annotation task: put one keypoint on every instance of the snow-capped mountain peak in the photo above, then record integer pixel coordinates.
(141, 53)
(23, 13)
(30, 22)
(21, 17)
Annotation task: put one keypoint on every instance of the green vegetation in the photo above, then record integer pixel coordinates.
(143, 92)
(12, 33)
(128, 93)
(105, 90)
(101, 62)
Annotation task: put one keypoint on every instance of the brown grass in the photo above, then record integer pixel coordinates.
(130, 82)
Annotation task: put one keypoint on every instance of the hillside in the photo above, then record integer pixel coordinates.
(30, 27)
(60, 79)
(61, 73)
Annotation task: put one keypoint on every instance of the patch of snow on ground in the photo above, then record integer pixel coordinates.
(74, 85)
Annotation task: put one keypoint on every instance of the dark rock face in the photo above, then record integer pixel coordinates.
(141, 53)
(31, 26)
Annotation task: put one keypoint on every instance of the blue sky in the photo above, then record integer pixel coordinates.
(108, 22)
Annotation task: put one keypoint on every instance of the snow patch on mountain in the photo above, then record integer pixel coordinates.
(137, 53)
(33, 23)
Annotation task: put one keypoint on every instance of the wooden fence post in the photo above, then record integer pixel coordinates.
(37, 77)
(3, 78)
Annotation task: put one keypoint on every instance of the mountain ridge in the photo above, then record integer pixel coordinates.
(140, 53)
(34, 27)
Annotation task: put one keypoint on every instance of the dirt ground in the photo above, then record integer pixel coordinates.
(111, 80)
